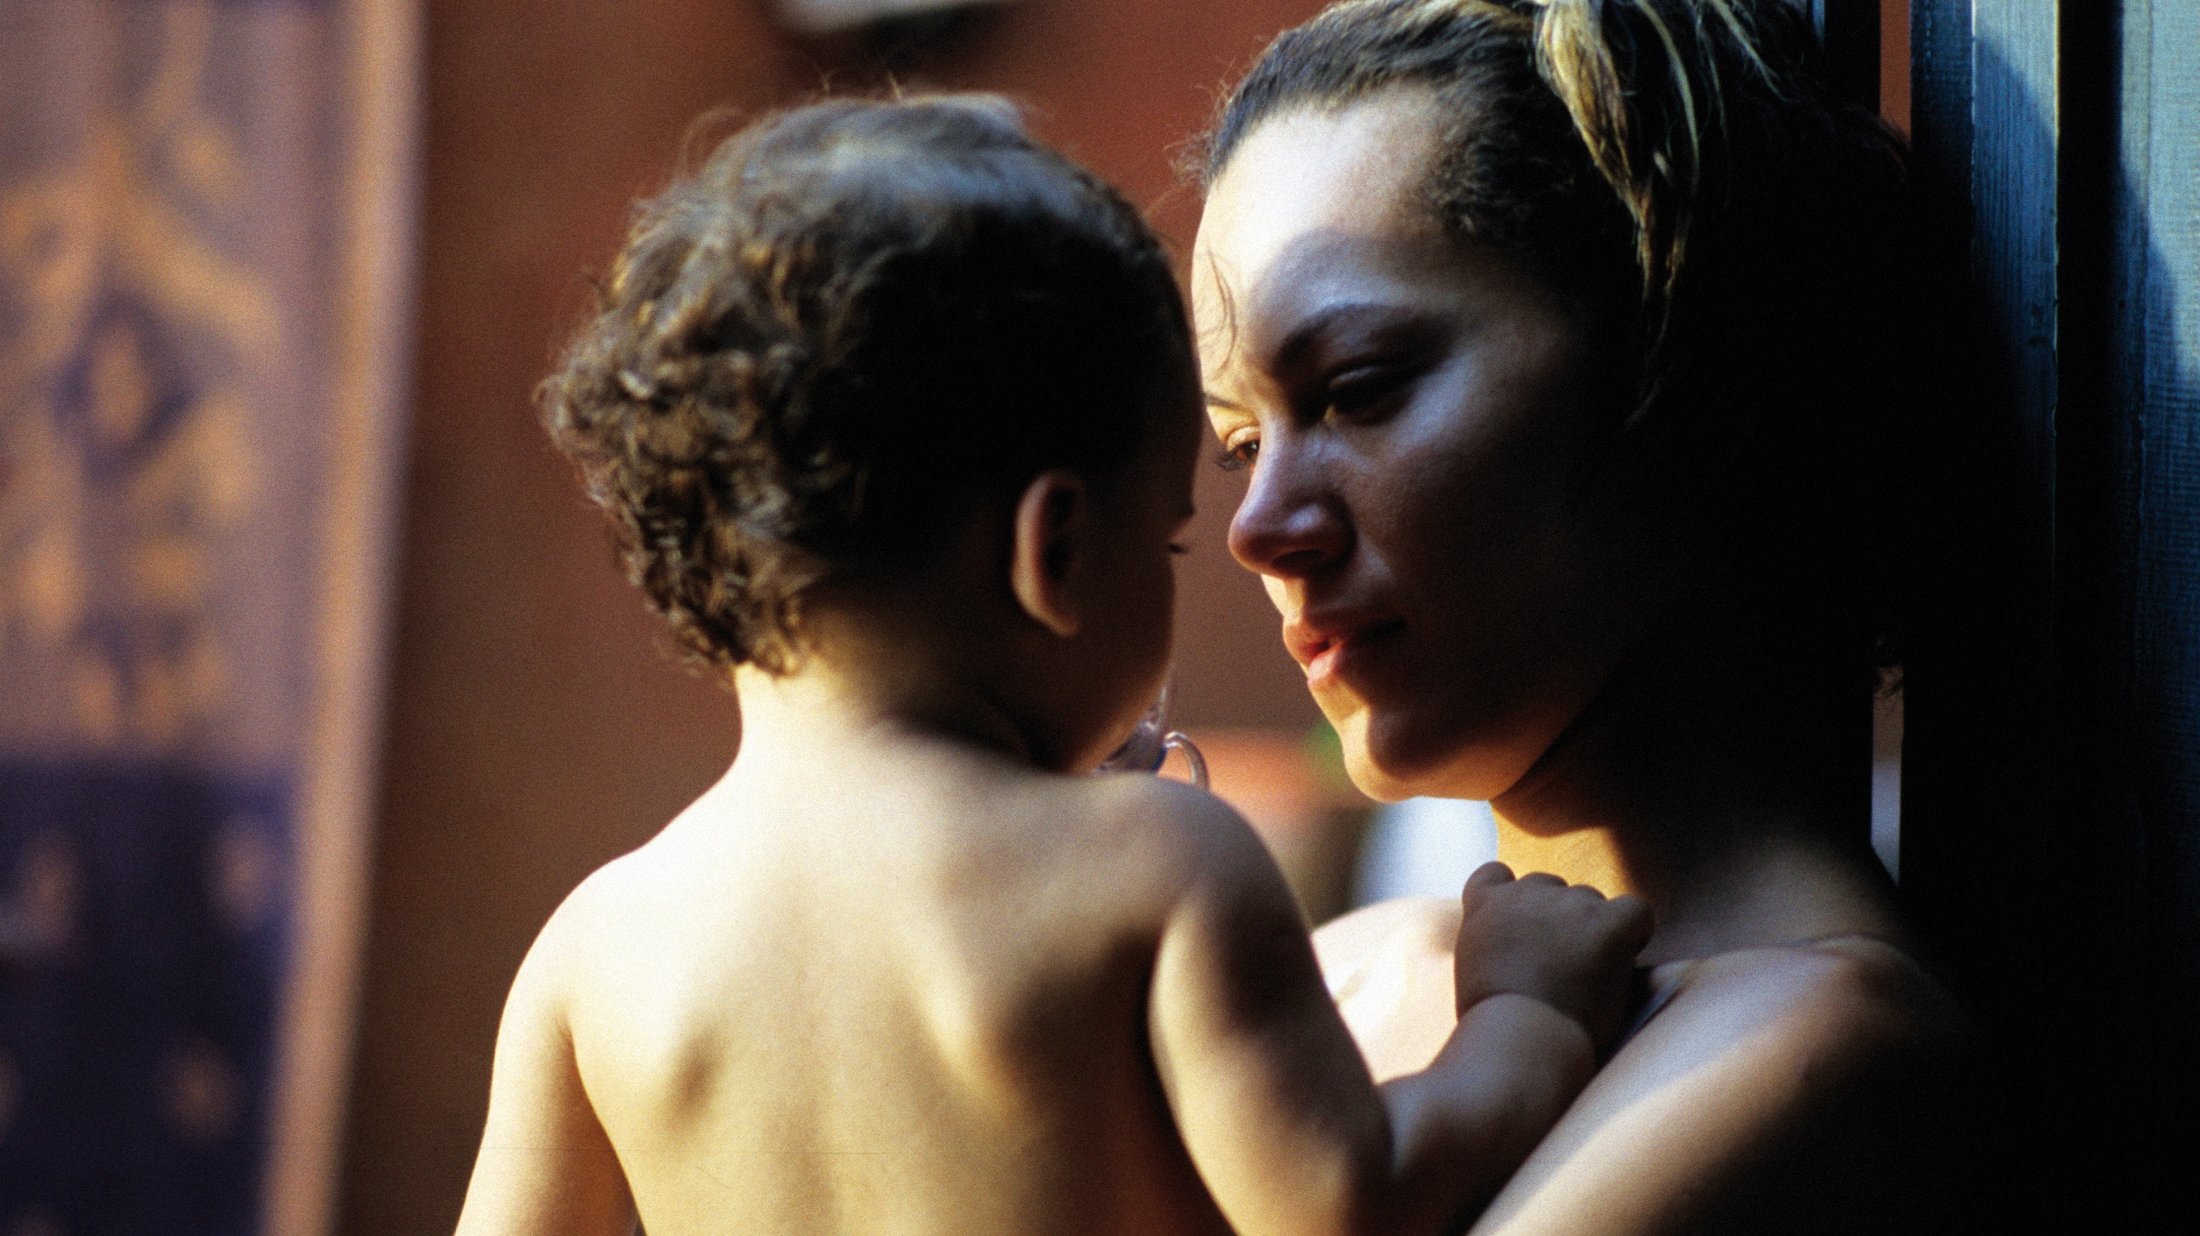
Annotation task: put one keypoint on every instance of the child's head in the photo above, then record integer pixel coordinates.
(857, 323)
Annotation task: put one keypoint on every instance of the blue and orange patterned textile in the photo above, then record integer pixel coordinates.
(204, 236)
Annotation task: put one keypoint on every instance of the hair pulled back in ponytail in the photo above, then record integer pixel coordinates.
(1641, 115)
(1735, 236)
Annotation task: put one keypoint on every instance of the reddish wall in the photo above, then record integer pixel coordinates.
(1894, 62)
(534, 730)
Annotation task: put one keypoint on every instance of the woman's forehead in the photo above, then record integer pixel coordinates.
(1313, 205)
(1359, 166)
(1316, 278)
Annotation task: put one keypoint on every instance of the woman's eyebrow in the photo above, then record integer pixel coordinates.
(1362, 314)
(1370, 317)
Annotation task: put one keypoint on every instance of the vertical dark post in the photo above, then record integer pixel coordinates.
(1984, 848)
(2051, 839)
(1848, 30)
(2131, 545)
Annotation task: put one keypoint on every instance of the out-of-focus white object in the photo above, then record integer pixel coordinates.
(1887, 783)
(1423, 847)
(830, 16)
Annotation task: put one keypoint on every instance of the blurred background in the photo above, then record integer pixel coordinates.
(318, 686)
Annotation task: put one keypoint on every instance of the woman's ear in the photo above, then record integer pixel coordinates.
(1051, 519)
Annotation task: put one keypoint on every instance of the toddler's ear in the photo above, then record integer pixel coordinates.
(1050, 530)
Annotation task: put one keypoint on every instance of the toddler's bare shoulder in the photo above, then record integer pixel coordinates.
(608, 903)
(1171, 837)
(1169, 814)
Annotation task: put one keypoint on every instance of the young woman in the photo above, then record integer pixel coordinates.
(1569, 351)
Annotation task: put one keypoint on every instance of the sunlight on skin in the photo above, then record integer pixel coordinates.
(1388, 967)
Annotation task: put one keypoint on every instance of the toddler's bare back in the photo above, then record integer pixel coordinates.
(910, 999)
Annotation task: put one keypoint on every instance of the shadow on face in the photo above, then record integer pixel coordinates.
(1417, 420)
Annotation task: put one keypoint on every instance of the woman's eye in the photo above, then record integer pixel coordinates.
(1238, 453)
(1359, 391)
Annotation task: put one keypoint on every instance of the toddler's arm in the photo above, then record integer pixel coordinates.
(1537, 936)
(545, 1167)
(1273, 1100)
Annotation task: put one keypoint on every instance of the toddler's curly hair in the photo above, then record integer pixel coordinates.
(857, 320)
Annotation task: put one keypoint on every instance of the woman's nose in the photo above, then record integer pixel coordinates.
(1289, 525)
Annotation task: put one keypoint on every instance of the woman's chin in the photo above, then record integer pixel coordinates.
(1389, 761)
(1373, 780)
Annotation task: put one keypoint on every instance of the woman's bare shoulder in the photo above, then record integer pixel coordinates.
(1388, 967)
(1852, 998)
(1819, 1086)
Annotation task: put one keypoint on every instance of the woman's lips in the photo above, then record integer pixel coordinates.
(1324, 663)
(1326, 650)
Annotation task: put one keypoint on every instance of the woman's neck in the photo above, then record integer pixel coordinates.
(1732, 795)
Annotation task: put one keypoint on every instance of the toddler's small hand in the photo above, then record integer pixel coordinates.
(1537, 936)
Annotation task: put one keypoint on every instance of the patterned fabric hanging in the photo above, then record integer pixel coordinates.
(204, 233)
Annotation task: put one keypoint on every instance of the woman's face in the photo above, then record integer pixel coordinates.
(1415, 417)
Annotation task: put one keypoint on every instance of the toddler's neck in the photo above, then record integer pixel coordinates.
(821, 716)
